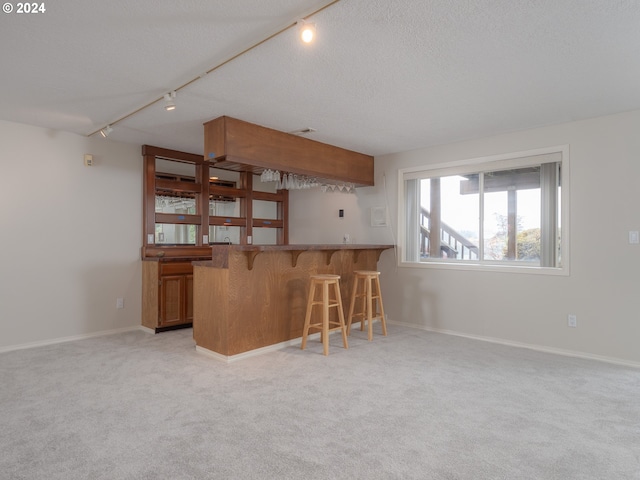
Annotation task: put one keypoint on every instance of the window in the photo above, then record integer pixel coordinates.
(503, 211)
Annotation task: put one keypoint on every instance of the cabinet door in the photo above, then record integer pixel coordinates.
(188, 295)
(172, 300)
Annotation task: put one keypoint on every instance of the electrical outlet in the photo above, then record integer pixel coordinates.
(346, 238)
(572, 320)
(120, 303)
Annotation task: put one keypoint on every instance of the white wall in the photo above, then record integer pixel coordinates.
(70, 235)
(314, 218)
(603, 286)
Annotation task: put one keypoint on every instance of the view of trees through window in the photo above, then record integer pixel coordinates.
(494, 216)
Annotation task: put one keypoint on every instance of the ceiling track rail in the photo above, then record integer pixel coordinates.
(214, 68)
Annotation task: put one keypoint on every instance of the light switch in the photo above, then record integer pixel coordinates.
(634, 237)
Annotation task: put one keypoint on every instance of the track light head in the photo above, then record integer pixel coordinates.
(307, 31)
(169, 101)
(106, 131)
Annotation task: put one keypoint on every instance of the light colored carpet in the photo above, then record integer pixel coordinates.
(413, 405)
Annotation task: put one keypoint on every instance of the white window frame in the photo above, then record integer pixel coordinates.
(494, 162)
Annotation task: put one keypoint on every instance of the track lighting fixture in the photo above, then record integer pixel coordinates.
(307, 31)
(170, 104)
(106, 131)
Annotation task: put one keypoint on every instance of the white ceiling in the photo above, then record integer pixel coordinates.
(383, 76)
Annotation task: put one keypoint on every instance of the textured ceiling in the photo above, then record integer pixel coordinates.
(383, 76)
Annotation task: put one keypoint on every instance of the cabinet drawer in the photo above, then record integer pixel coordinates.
(173, 268)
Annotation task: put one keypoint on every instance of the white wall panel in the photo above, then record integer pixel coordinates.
(69, 235)
(604, 283)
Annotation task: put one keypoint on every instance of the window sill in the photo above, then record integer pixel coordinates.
(483, 267)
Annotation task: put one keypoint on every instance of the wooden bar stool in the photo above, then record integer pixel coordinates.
(325, 325)
(367, 279)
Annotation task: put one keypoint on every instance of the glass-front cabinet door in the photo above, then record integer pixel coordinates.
(190, 204)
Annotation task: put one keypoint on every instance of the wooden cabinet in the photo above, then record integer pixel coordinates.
(232, 144)
(176, 294)
(167, 294)
(182, 196)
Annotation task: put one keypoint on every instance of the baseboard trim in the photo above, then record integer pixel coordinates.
(255, 352)
(529, 346)
(55, 341)
(297, 341)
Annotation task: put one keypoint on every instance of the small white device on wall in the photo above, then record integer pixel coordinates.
(379, 216)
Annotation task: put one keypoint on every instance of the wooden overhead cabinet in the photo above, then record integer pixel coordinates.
(233, 144)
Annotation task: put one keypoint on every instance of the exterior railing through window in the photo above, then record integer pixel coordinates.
(452, 243)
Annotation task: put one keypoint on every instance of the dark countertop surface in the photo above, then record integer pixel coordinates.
(303, 247)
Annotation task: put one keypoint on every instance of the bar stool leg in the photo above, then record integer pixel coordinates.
(369, 308)
(382, 316)
(343, 328)
(363, 295)
(352, 303)
(325, 318)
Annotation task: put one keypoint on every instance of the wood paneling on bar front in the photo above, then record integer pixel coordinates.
(237, 310)
(231, 141)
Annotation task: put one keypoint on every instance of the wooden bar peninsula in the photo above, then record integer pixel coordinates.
(249, 297)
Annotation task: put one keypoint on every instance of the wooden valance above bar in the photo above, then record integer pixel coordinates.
(233, 144)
